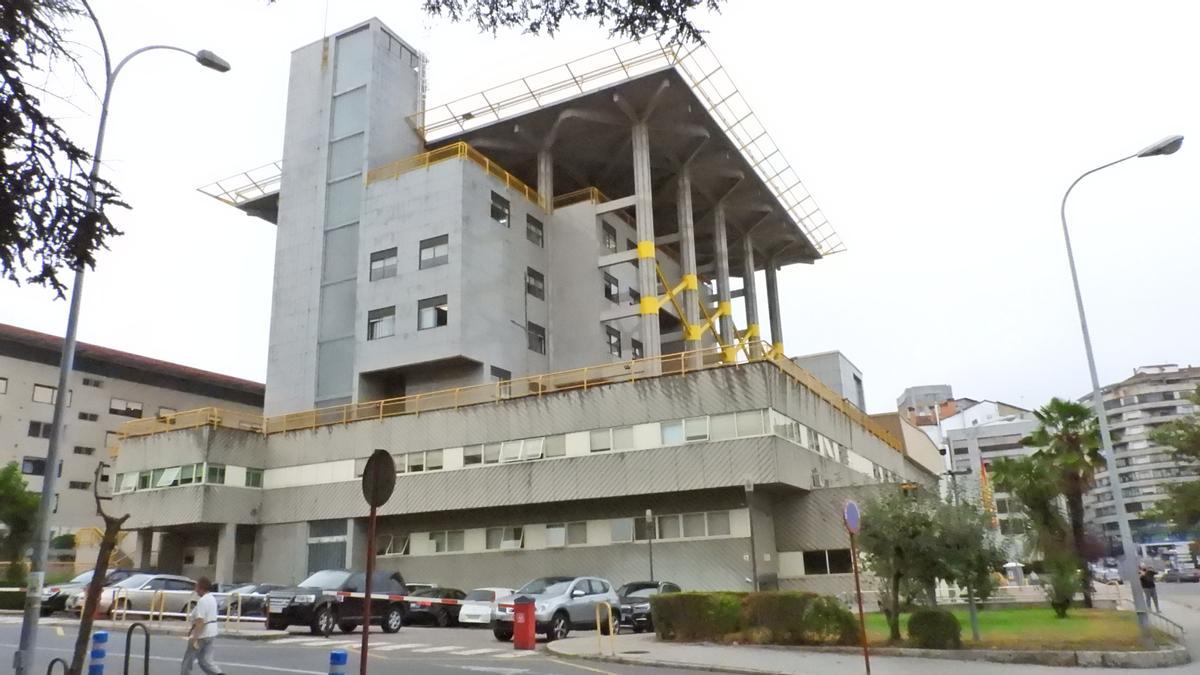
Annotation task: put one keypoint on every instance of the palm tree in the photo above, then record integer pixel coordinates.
(1068, 439)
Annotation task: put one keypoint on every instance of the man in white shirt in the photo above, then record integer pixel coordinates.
(202, 631)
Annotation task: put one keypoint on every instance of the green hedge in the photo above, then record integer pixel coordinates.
(934, 629)
(12, 599)
(787, 617)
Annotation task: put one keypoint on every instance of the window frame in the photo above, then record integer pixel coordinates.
(438, 307)
(378, 321)
(608, 237)
(612, 337)
(501, 209)
(128, 409)
(611, 287)
(535, 283)
(535, 338)
(433, 244)
(535, 231)
(385, 269)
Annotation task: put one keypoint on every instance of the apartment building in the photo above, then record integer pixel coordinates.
(108, 387)
(525, 297)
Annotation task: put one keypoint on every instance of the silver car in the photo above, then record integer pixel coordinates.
(560, 604)
(139, 591)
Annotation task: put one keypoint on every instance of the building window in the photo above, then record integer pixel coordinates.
(3, 385)
(566, 534)
(83, 450)
(33, 466)
(381, 323)
(612, 291)
(612, 336)
(601, 440)
(88, 417)
(635, 348)
(535, 283)
(634, 296)
(432, 312)
(383, 264)
(534, 231)
(435, 251)
(119, 406)
(500, 209)
(39, 429)
(555, 446)
(610, 238)
(93, 382)
(537, 337)
(450, 541)
(833, 561)
(43, 393)
(505, 538)
(630, 245)
(215, 474)
(80, 485)
(621, 529)
(111, 439)
(254, 478)
(472, 455)
(503, 379)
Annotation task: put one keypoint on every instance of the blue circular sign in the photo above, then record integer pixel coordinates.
(851, 515)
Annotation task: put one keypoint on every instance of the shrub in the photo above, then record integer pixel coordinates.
(934, 629)
(1063, 580)
(12, 599)
(696, 616)
(63, 541)
(828, 621)
(779, 615)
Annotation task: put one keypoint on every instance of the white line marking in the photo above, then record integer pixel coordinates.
(429, 650)
(392, 648)
(514, 654)
(475, 652)
(289, 641)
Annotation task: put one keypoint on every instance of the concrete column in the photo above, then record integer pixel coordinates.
(750, 296)
(143, 547)
(545, 179)
(644, 211)
(170, 553)
(226, 554)
(687, 251)
(724, 298)
(773, 309)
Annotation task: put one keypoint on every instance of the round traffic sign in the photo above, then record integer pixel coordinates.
(379, 478)
(851, 516)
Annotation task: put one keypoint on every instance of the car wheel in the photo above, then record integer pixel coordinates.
(323, 622)
(393, 619)
(442, 618)
(347, 627)
(560, 627)
(502, 634)
(276, 623)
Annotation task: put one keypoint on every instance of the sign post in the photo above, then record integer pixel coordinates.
(852, 517)
(378, 482)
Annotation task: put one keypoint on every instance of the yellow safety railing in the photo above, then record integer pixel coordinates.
(587, 194)
(747, 351)
(459, 150)
(158, 601)
(232, 615)
(613, 626)
(119, 608)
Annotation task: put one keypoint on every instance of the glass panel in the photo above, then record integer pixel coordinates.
(815, 563)
(340, 254)
(722, 427)
(839, 561)
(532, 448)
(493, 537)
(510, 451)
(327, 528)
(696, 429)
(491, 453)
(346, 156)
(672, 433)
(455, 540)
(601, 440)
(416, 461)
(556, 534)
(693, 525)
(342, 201)
(349, 113)
(439, 541)
(622, 529)
(668, 527)
(718, 523)
(352, 61)
(622, 438)
(433, 460)
(472, 454)
(750, 423)
(576, 533)
(555, 446)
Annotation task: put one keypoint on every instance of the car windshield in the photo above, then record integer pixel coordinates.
(83, 578)
(638, 589)
(134, 581)
(248, 588)
(481, 594)
(326, 579)
(641, 593)
(427, 592)
(547, 586)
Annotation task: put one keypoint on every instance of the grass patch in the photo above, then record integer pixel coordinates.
(1035, 628)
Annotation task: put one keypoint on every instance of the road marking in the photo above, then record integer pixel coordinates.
(430, 650)
(515, 654)
(288, 641)
(392, 648)
(59, 631)
(175, 659)
(475, 652)
(317, 643)
(498, 671)
(340, 643)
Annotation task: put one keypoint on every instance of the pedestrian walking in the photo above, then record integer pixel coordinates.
(1149, 588)
(202, 631)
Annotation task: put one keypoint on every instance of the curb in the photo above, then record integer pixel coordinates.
(1173, 656)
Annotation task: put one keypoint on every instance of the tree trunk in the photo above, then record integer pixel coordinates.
(974, 613)
(112, 527)
(894, 615)
(1074, 495)
(931, 593)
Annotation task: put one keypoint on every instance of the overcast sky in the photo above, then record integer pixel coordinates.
(938, 138)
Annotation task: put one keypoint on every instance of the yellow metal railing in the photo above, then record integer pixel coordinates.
(587, 194)
(534, 385)
(457, 150)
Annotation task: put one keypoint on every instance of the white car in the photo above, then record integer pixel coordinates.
(479, 604)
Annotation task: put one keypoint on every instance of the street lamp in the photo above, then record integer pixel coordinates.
(651, 532)
(23, 658)
(1166, 146)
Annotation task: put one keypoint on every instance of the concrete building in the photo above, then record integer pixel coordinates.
(838, 373)
(545, 364)
(108, 387)
(1153, 396)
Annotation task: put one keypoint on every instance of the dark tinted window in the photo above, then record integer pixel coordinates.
(597, 586)
(356, 582)
(671, 588)
(839, 561)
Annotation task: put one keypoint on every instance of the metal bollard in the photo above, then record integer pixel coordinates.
(337, 662)
(99, 651)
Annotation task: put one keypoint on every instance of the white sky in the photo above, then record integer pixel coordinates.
(938, 138)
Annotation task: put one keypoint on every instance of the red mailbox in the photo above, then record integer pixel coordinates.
(524, 624)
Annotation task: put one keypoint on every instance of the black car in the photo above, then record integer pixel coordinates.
(635, 602)
(439, 614)
(318, 602)
(54, 596)
(253, 598)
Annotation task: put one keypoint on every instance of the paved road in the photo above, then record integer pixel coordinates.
(415, 649)
(1184, 594)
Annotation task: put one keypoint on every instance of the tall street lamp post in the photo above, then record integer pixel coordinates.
(23, 658)
(1166, 146)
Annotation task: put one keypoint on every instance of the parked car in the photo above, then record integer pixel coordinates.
(1109, 575)
(560, 604)
(55, 596)
(419, 586)
(253, 599)
(138, 592)
(479, 605)
(1191, 576)
(439, 614)
(635, 602)
(315, 603)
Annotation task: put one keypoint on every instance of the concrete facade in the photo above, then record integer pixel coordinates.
(838, 373)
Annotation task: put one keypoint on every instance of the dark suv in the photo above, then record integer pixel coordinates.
(315, 602)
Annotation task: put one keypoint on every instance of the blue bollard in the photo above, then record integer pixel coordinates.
(337, 662)
(99, 651)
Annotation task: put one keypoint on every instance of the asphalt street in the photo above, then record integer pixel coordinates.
(415, 649)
